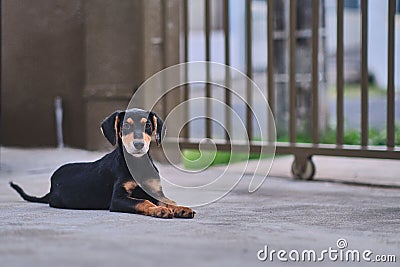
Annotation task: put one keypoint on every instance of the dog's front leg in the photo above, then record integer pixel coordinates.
(140, 206)
(122, 202)
(153, 185)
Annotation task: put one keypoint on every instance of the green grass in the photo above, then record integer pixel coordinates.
(354, 90)
(194, 160)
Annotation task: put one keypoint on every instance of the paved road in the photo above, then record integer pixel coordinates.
(283, 214)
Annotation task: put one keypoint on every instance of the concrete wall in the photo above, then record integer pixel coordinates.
(43, 57)
(92, 53)
(113, 61)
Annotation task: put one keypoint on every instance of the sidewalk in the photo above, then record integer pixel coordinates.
(379, 172)
(283, 214)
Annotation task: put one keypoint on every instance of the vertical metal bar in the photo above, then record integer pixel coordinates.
(314, 71)
(390, 91)
(186, 88)
(1, 71)
(292, 71)
(207, 31)
(164, 29)
(228, 95)
(249, 72)
(270, 71)
(364, 72)
(186, 30)
(339, 73)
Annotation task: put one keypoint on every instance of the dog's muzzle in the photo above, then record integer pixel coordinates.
(137, 148)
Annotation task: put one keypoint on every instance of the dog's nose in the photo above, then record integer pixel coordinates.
(138, 145)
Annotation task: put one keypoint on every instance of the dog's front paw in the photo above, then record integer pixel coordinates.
(161, 212)
(183, 212)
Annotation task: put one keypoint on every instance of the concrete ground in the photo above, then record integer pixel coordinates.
(283, 214)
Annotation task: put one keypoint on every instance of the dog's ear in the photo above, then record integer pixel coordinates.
(110, 127)
(158, 127)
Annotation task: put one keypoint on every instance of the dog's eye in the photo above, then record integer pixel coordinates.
(148, 126)
(126, 126)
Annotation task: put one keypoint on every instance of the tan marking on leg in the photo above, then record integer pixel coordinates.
(143, 120)
(166, 202)
(129, 120)
(179, 211)
(144, 207)
(148, 208)
(129, 186)
(182, 212)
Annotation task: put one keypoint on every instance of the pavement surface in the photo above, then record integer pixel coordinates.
(284, 214)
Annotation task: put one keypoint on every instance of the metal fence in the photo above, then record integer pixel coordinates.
(303, 166)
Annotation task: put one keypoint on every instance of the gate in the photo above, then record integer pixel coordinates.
(302, 166)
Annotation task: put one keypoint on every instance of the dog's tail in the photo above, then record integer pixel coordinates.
(44, 199)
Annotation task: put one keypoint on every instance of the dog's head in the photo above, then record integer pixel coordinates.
(133, 129)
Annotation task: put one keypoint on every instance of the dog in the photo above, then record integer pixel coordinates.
(125, 180)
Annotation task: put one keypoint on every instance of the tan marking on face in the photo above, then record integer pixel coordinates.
(143, 120)
(146, 138)
(129, 120)
(155, 125)
(129, 186)
(127, 139)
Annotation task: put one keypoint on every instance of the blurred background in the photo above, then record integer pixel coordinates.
(329, 70)
(94, 54)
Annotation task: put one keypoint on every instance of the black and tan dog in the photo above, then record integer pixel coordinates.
(124, 180)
